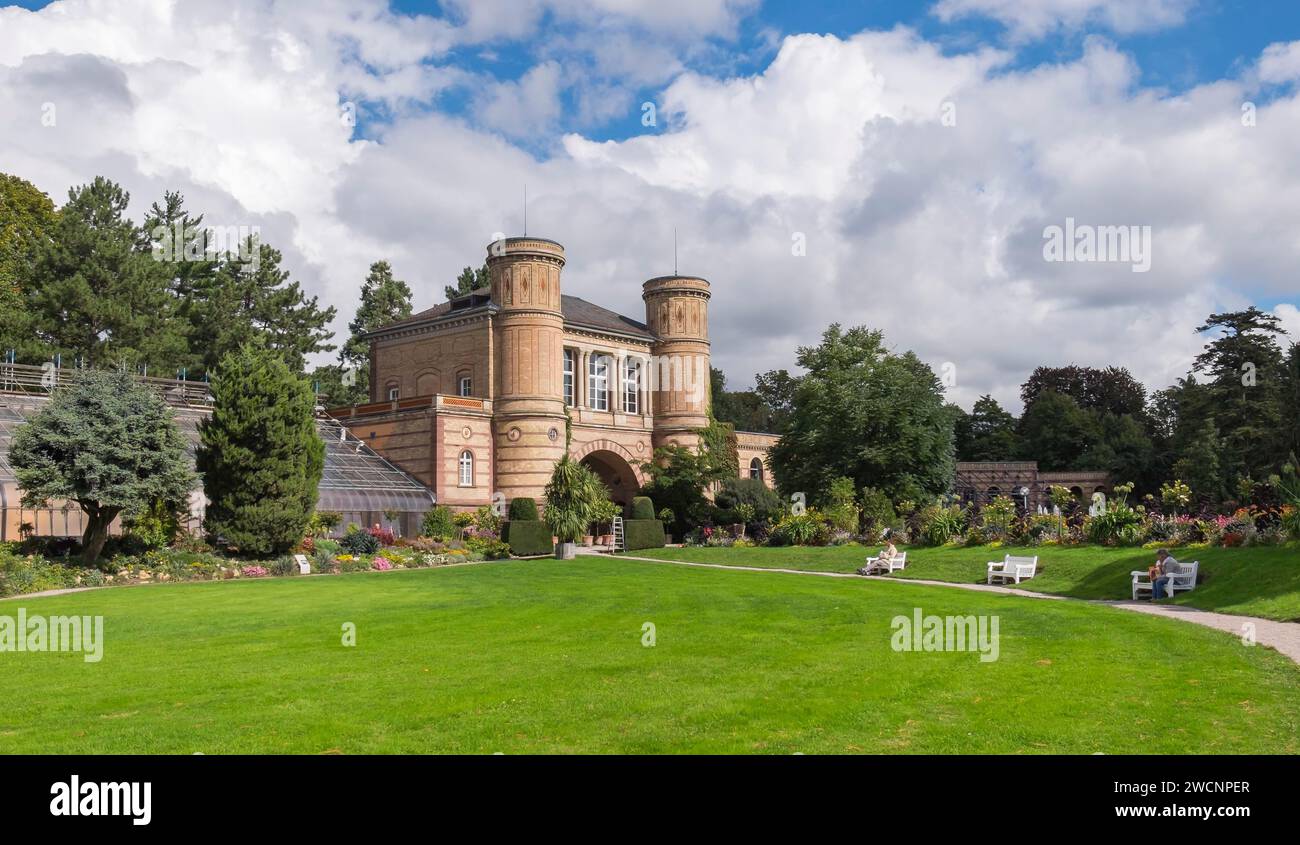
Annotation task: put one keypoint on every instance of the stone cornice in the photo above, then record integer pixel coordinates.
(442, 321)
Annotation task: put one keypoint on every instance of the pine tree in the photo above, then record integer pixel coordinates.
(256, 302)
(188, 270)
(468, 280)
(97, 293)
(384, 300)
(1244, 366)
(260, 455)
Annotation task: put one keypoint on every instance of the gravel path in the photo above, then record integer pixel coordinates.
(1283, 636)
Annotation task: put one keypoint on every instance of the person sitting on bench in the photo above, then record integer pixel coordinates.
(1165, 567)
(887, 554)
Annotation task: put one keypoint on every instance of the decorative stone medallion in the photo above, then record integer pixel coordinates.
(466, 433)
(514, 434)
(554, 434)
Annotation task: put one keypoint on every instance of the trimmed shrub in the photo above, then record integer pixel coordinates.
(527, 536)
(643, 533)
(642, 508)
(523, 509)
(438, 525)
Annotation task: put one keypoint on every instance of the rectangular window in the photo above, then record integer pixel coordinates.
(393, 393)
(599, 393)
(631, 386)
(569, 369)
(466, 386)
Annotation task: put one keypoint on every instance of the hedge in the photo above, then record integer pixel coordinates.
(527, 537)
(643, 533)
(642, 508)
(523, 509)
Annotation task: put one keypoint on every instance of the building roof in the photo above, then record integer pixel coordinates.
(355, 477)
(577, 312)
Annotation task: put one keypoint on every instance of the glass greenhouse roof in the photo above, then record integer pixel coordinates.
(356, 478)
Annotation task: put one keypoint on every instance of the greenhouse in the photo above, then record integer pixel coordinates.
(358, 484)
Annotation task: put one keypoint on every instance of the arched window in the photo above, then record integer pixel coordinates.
(631, 386)
(467, 468)
(392, 391)
(570, 368)
(756, 469)
(599, 374)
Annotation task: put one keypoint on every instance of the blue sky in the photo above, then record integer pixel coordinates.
(1216, 38)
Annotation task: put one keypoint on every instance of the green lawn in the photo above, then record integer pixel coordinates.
(1259, 581)
(547, 656)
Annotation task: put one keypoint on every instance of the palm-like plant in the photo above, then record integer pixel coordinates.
(572, 498)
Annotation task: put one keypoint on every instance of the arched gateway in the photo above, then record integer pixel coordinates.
(615, 466)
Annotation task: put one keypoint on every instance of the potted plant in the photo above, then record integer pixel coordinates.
(666, 516)
(605, 514)
(572, 496)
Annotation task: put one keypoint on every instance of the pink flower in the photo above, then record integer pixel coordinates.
(382, 564)
(253, 571)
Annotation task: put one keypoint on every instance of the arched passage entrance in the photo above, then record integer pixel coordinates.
(613, 468)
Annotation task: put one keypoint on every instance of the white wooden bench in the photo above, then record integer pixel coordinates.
(1012, 568)
(881, 566)
(1180, 582)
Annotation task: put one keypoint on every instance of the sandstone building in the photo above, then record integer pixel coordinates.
(1029, 487)
(472, 397)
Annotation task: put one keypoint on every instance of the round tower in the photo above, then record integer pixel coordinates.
(677, 314)
(528, 346)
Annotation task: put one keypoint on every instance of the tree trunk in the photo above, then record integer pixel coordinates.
(98, 519)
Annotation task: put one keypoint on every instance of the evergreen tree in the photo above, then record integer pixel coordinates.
(97, 293)
(1289, 396)
(255, 302)
(384, 300)
(107, 443)
(188, 271)
(468, 280)
(260, 455)
(1243, 365)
